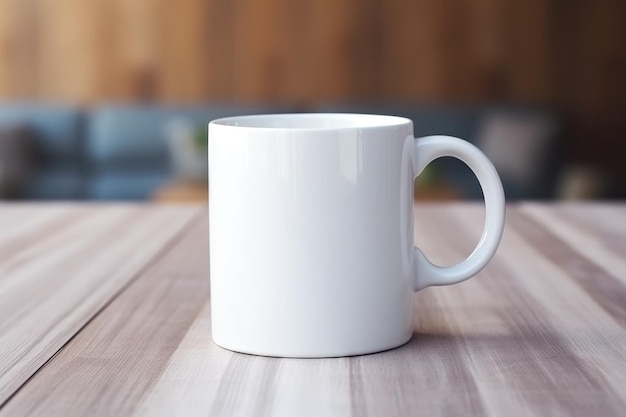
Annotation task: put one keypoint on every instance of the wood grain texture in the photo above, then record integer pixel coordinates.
(60, 264)
(541, 331)
(559, 53)
(518, 50)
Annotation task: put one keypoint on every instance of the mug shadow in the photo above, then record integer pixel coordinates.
(421, 343)
(516, 343)
(519, 344)
(446, 343)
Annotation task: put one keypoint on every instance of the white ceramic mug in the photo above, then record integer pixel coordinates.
(311, 231)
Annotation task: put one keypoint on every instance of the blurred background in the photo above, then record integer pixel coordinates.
(109, 99)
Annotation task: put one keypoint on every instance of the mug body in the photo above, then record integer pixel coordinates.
(310, 234)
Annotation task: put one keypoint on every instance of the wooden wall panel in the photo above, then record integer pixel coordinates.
(343, 50)
(6, 47)
(131, 68)
(554, 51)
(18, 48)
(70, 49)
(557, 52)
(413, 62)
(188, 51)
(528, 53)
(480, 66)
(259, 62)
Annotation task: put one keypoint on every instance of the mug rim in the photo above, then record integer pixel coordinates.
(294, 122)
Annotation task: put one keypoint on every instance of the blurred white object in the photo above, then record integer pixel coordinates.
(523, 148)
(189, 161)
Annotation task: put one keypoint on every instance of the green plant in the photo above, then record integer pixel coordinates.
(201, 138)
(429, 176)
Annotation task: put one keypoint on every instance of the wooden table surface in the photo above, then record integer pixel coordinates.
(105, 310)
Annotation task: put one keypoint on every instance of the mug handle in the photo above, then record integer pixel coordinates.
(429, 148)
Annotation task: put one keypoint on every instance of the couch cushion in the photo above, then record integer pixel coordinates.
(56, 182)
(122, 185)
(132, 136)
(56, 128)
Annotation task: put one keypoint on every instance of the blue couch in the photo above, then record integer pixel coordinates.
(57, 132)
(111, 152)
(119, 152)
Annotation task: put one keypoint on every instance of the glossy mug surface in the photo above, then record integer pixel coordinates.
(311, 231)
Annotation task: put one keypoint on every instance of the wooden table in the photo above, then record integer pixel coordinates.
(104, 310)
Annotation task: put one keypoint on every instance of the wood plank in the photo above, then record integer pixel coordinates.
(554, 51)
(18, 48)
(528, 53)
(346, 50)
(477, 31)
(610, 255)
(413, 57)
(570, 352)
(189, 58)
(606, 221)
(129, 344)
(6, 33)
(268, 49)
(218, 49)
(132, 47)
(72, 67)
(541, 331)
(61, 264)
